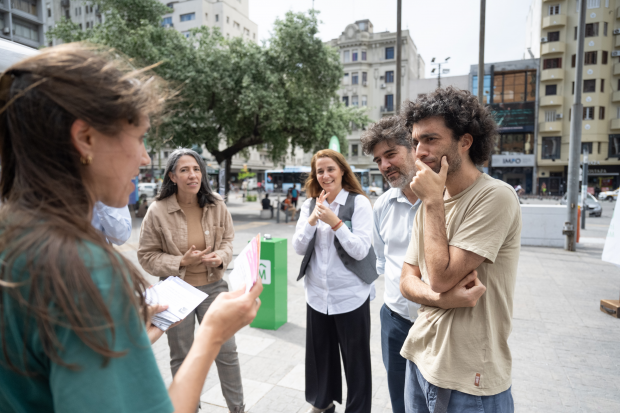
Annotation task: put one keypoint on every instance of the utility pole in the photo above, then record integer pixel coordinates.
(570, 227)
(399, 7)
(584, 188)
(483, 6)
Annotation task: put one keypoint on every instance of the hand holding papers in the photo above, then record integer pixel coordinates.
(246, 266)
(180, 297)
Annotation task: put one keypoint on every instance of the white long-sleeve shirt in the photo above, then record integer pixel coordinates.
(393, 221)
(330, 287)
(114, 223)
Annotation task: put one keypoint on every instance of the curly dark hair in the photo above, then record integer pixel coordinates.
(462, 113)
(388, 129)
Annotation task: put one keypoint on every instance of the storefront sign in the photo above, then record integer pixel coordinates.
(500, 161)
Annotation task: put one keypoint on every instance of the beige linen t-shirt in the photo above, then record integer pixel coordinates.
(466, 349)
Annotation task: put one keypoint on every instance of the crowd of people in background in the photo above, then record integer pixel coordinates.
(75, 329)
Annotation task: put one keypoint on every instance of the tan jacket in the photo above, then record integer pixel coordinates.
(164, 229)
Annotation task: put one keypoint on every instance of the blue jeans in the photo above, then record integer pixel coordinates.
(421, 397)
(394, 330)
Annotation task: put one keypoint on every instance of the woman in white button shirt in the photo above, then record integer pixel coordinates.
(338, 311)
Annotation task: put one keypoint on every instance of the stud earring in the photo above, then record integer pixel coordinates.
(86, 160)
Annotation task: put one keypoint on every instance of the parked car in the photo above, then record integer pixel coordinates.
(594, 207)
(609, 195)
(148, 189)
(375, 190)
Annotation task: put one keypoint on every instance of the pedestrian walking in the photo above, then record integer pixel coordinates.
(188, 232)
(75, 331)
(333, 234)
(466, 235)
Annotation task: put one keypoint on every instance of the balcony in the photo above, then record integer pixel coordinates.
(552, 47)
(615, 124)
(555, 127)
(551, 101)
(551, 74)
(554, 21)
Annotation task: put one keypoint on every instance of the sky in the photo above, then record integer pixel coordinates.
(439, 28)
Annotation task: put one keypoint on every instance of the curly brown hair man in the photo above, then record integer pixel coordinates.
(467, 236)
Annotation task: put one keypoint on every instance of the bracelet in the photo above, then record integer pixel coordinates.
(334, 227)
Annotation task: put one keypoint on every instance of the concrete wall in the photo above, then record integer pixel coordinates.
(542, 225)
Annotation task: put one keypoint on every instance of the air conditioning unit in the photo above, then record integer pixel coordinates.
(559, 116)
(383, 86)
(543, 40)
(364, 83)
(615, 53)
(616, 31)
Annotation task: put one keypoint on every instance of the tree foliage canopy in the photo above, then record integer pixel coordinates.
(233, 93)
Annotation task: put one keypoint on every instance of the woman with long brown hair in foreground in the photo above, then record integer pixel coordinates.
(73, 320)
(334, 235)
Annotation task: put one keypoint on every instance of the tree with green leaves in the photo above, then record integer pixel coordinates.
(233, 94)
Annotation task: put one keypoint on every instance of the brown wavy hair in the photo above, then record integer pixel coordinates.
(462, 113)
(45, 229)
(349, 180)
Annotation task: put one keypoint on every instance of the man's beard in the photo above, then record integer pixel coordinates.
(405, 174)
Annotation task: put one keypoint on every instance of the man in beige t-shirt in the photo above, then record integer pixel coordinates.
(458, 358)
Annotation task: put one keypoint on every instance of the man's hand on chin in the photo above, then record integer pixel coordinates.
(428, 185)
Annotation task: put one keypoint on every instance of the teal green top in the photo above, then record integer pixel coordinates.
(131, 383)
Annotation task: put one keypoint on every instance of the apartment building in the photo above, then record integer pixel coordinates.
(510, 89)
(600, 87)
(22, 21)
(369, 80)
(230, 16)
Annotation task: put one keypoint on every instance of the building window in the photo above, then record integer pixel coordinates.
(167, 21)
(354, 55)
(586, 146)
(363, 55)
(554, 9)
(553, 36)
(551, 146)
(552, 63)
(217, 17)
(389, 103)
(188, 17)
(355, 78)
(604, 57)
(588, 113)
(354, 101)
(347, 56)
(590, 58)
(364, 78)
(602, 85)
(389, 53)
(551, 90)
(550, 115)
(354, 150)
(364, 100)
(591, 30)
(389, 76)
(589, 85)
(26, 30)
(614, 146)
(601, 113)
(345, 100)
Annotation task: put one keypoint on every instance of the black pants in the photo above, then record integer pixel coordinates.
(324, 334)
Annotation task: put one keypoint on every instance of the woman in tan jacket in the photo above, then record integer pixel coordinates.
(188, 232)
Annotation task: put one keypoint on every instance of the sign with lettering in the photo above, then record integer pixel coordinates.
(503, 161)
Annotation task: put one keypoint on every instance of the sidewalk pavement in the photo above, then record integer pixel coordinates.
(566, 356)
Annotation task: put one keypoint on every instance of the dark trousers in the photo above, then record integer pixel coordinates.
(324, 335)
(394, 330)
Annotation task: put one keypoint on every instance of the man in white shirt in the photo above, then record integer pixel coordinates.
(114, 223)
(391, 147)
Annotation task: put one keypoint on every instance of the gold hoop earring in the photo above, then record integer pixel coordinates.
(86, 160)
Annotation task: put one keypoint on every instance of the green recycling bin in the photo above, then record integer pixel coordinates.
(272, 269)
